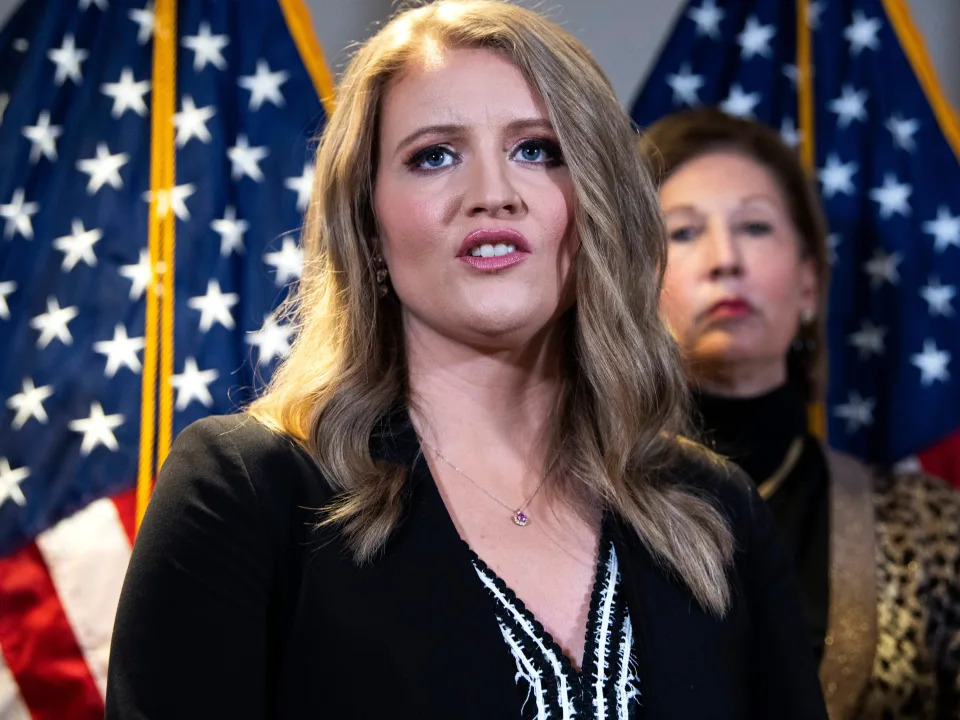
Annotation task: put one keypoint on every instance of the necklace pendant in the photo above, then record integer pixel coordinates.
(520, 518)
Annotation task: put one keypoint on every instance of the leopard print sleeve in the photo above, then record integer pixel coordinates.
(917, 666)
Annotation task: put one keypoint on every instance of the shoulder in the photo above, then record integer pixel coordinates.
(919, 505)
(232, 461)
(697, 469)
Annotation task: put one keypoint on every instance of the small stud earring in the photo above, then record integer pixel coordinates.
(807, 316)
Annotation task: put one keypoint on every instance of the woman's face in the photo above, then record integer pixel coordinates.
(736, 283)
(474, 204)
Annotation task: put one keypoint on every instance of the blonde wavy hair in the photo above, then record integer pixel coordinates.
(623, 398)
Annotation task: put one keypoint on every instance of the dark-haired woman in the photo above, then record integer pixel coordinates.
(877, 555)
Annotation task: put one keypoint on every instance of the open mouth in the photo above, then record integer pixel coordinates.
(493, 249)
(487, 250)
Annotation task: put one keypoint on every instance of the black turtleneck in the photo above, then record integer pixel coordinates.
(756, 433)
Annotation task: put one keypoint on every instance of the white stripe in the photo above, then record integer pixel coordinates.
(12, 706)
(87, 555)
(565, 704)
(626, 647)
(527, 670)
(607, 596)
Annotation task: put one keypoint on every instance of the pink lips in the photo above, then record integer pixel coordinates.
(494, 237)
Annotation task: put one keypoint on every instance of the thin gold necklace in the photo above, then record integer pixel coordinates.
(519, 515)
(769, 486)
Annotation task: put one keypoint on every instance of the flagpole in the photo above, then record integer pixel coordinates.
(159, 330)
(297, 17)
(913, 47)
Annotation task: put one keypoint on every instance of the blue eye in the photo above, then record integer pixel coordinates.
(539, 151)
(432, 158)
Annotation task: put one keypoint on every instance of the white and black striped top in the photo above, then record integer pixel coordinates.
(607, 687)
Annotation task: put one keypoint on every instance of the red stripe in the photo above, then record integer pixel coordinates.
(126, 503)
(943, 459)
(38, 643)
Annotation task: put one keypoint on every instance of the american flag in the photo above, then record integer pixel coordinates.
(849, 84)
(83, 128)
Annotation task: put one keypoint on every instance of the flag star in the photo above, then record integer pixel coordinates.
(192, 384)
(10, 480)
(789, 132)
(868, 339)
(707, 18)
(287, 261)
(127, 94)
(17, 214)
(862, 33)
(214, 307)
(244, 160)
(264, 85)
(43, 138)
(28, 403)
(740, 103)
(837, 177)
(882, 267)
(932, 363)
(938, 297)
(174, 199)
(945, 229)
(755, 38)
(302, 185)
(272, 340)
(145, 20)
(231, 231)
(121, 351)
(139, 274)
(191, 122)
(104, 169)
(850, 106)
(78, 246)
(67, 58)
(813, 15)
(6, 288)
(101, 4)
(893, 197)
(97, 429)
(833, 242)
(207, 48)
(857, 411)
(902, 131)
(792, 73)
(53, 323)
(685, 86)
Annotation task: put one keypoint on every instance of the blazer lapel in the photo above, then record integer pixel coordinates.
(436, 596)
(852, 616)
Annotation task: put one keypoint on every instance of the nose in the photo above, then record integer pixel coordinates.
(724, 258)
(490, 189)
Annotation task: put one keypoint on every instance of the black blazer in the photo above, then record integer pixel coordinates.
(235, 607)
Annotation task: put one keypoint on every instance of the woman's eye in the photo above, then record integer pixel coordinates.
(756, 228)
(540, 152)
(683, 233)
(432, 158)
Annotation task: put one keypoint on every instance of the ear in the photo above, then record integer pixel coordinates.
(809, 286)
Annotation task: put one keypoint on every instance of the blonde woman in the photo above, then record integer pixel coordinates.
(463, 495)
(877, 555)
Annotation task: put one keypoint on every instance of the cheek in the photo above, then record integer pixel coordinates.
(676, 298)
(408, 220)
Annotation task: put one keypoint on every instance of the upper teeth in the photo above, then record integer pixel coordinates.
(488, 250)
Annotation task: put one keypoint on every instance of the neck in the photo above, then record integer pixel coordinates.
(739, 379)
(475, 405)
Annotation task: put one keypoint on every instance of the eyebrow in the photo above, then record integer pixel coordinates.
(512, 127)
